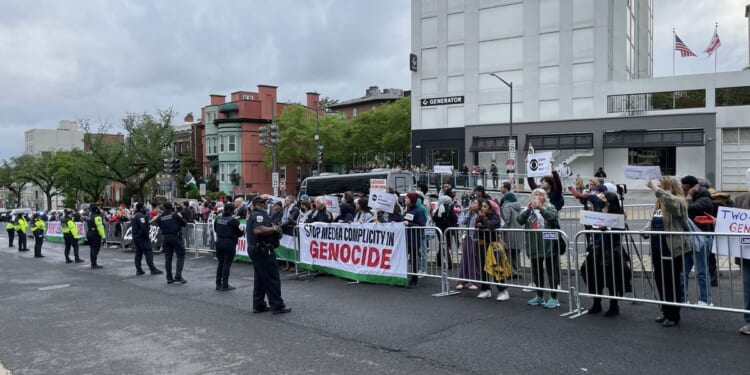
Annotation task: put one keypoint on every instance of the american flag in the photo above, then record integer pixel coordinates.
(680, 46)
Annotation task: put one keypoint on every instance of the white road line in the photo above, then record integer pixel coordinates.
(52, 287)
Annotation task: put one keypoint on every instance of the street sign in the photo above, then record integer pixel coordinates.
(202, 189)
(275, 180)
(428, 102)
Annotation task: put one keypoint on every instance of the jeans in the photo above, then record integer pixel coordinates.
(423, 255)
(702, 276)
(746, 286)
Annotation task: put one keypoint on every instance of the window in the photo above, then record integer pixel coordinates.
(232, 147)
(429, 31)
(736, 136)
(549, 14)
(502, 21)
(502, 54)
(549, 49)
(731, 96)
(221, 143)
(455, 27)
(222, 173)
(429, 62)
(456, 58)
(583, 44)
(663, 157)
(655, 101)
(354, 112)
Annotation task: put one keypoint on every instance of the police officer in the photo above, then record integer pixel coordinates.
(69, 231)
(262, 240)
(21, 226)
(171, 225)
(95, 235)
(38, 228)
(10, 226)
(227, 229)
(140, 230)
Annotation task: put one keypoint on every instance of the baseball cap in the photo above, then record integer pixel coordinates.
(259, 199)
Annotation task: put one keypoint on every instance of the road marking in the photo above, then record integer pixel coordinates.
(52, 287)
(3, 370)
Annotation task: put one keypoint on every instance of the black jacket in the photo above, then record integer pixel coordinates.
(701, 205)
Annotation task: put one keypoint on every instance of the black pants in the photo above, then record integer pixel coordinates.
(551, 265)
(267, 283)
(21, 240)
(225, 252)
(143, 247)
(11, 236)
(38, 241)
(95, 244)
(172, 244)
(667, 275)
(70, 242)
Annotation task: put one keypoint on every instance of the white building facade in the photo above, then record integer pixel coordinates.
(581, 75)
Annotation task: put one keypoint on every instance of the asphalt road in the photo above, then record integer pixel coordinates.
(69, 319)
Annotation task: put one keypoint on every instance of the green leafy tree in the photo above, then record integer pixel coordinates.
(77, 179)
(9, 178)
(296, 139)
(136, 161)
(386, 129)
(42, 170)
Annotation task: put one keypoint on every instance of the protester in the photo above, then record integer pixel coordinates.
(540, 214)
(552, 187)
(600, 174)
(320, 213)
(469, 257)
(510, 208)
(670, 214)
(414, 217)
(363, 214)
(699, 203)
(485, 234)
(743, 201)
(493, 172)
(444, 218)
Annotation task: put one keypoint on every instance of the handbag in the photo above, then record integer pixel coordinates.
(562, 244)
(696, 241)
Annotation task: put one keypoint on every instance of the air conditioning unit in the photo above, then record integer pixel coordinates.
(247, 97)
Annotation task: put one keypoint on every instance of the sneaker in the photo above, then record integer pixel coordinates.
(531, 285)
(156, 272)
(180, 280)
(551, 303)
(745, 330)
(485, 294)
(139, 273)
(80, 261)
(503, 295)
(536, 301)
(227, 288)
(701, 303)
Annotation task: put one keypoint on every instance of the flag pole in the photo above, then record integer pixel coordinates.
(716, 52)
(674, 46)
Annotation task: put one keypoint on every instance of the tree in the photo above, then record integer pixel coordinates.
(76, 178)
(42, 170)
(327, 102)
(297, 144)
(135, 162)
(10, 180)
(386, 128)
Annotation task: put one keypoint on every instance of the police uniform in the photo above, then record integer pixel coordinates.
(95, 236)
(10, 226)
(37, 229)
(140, 230)
(227, 229)
(171, 225)
(21, 226)
(261, 248)
(70, 235)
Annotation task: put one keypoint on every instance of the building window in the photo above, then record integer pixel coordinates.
(736, 136)
(637, 104)
(354, 112)
(663, 157)
(232, 146)
(222, 173)
(221, 143)
(731, 96)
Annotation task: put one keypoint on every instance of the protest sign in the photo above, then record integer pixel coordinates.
(640, 172)
(597, 219)
(732, 220)
(539, 164)
(379, 199)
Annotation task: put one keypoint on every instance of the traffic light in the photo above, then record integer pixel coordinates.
(167, 165)
(320, 153)
(262, 135)
(175, 165)
(274, 134)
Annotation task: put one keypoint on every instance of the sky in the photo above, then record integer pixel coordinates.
(98, 60)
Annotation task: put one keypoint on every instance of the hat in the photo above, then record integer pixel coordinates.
(601, 188)
(305, 197)
(168, 205)
(228, 208)
(689, 180)
(259, 199)
(412, 197)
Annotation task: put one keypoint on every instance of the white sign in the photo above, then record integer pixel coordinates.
(597, 219)
(202, 189)
(732, 220)
(442, 169)
(539, 164)
(639, 172)
(380, 199)
(512, 147)
(275, 179)
(332, 204)
(364, 252)
(377, 184)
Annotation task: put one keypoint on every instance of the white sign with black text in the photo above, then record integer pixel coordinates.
(380, 199)
(539, 164)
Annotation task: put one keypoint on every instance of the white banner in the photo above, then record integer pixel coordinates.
(332, 204)
(367, 252)
(378, 183)
(597, 219)
(539, 164)
(732, 220)
(442, 169)
(379, 198)
(639, 172)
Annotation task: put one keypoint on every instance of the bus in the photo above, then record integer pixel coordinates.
(401, 181)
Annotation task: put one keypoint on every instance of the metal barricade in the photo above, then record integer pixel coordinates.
(200, 238)
(113, 234)
(544, 258)
(642, 269)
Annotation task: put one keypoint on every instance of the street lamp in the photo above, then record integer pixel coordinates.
(317, 136)
(511, 142)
